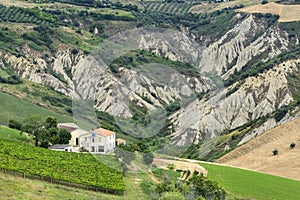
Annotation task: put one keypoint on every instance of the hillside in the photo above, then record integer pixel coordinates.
(169, 78)
(287, 13)
(11, 189)
(11, 106)
(257, 153)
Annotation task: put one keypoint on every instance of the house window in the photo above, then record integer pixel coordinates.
(77, 141)
(66, 149)
(99, 139)
(85, 139)
(93, 140)
(101, 148)
(93, 149)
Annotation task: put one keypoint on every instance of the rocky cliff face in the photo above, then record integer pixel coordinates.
(256, 97)
(154, 86)
(246, 40)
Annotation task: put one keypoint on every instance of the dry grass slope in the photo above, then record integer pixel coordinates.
(257, 154)
(210, 7)
(287, 13)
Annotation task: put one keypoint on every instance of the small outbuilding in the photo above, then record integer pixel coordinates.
(120, 141)
(61, 147)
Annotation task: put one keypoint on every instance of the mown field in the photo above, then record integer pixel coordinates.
(245, 184)
(14, 108)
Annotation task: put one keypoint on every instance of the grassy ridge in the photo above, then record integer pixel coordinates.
(253, 185)
(14, 108)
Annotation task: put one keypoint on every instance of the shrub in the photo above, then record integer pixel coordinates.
(292, 145)
(264, 2)
(275, 152)
(148, 158)
(171, 166)
(14, 124)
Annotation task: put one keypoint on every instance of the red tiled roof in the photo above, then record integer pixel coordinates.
(119, 140)
(68, 126)
(103, 132)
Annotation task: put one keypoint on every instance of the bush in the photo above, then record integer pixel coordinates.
(148, 158)
(171, 166)
(264, 2)
(14, 124)
(275, 152)
(292, 145)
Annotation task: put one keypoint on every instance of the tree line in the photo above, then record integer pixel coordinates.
(43, 131)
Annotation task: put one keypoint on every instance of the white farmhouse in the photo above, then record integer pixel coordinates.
(98, 141)
(95, 141)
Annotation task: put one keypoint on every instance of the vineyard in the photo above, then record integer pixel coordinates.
(70, 167)
(26, 15)
(170, 8)
(154, 18)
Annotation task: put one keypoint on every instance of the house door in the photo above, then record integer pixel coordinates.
(93, 149)
(76, 141)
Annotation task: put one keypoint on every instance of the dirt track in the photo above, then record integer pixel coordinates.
(184, 165)
(257, 154)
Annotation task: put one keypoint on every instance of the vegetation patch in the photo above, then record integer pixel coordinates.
(257, 66)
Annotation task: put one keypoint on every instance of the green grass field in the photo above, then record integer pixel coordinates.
(245, 184)
(14, 108)
(13, 188)
(13, 135)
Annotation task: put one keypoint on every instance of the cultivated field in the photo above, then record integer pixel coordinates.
(257, 154)
(210, 7)
(287, 13)
(245, 184)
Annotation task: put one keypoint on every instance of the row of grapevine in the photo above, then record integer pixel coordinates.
(25, 15)
(170, 8)
(153, 18)
(71, 167)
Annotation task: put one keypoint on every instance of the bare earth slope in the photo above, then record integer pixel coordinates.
(257, 154)
(287, 13)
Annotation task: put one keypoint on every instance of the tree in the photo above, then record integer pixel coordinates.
(125, 157)
(45, 131)
(34, 125)
(64, 136)
(51, 122)
(207, 188)
(148, 158)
